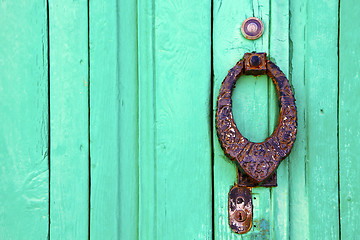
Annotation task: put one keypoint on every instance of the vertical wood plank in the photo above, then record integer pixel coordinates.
(250, 107)
(349, 125)
(183, 128)
(321, 80)
(24, 122)
(147, 152)
(128, 120)
(279, 53)
(298, 164)
(105, 122)
(314, 169)
(69, 120)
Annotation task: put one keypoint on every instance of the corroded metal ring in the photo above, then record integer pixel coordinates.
(258, 160)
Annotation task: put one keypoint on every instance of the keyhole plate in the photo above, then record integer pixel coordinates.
(240, 209)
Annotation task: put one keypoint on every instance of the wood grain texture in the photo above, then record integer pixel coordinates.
(298, 161)
(349, 125)
(321, 75)
(134, 95)
(69, 120)
(105, 122)
(314, 162)
(147, 133)
(24, 122)
(183, 128)
(128, 120)
(250, 108)
(279, 52)
(321, 80)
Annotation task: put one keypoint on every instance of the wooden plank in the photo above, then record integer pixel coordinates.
(314, 169)
(183, 128)
(298, 161)
(279, 53)
(105, 122)
(24, 122)
(147, 153)
(128, 120)
(69, 120)
(349, 126)
(321, 80)
(250, 107)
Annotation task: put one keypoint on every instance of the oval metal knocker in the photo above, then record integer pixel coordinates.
(256, 162)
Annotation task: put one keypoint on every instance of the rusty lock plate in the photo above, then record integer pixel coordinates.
(256, 162)
(240, 209)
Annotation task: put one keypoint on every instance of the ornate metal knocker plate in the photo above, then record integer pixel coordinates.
(257, 162)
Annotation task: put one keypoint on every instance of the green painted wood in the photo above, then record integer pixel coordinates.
(105, 122)
(182, 65)
(321, 80)
(69, 120)
(250, 108)
(128, 119)
(24, 122)
(148, 123)
(298, 161)
(349, 126)
(279, 53)
(314, 161)
(114, 120)
(147, 144)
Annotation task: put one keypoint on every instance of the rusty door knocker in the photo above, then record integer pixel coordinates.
(256, 162)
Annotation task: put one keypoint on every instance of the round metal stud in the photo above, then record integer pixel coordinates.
(255, 61)
(252, 28)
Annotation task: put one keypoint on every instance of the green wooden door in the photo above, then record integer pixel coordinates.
(107, 118)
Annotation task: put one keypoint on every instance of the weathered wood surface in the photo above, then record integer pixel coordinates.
(250, 107)
(24, 120)
(113, 161)
(69, 120)
(314, 160)
(110, 133)
(349, 124)
(320, 117)
(182, 63)
(147, 121)
(307, 53)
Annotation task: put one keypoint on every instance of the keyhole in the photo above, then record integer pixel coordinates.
(240, 216)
